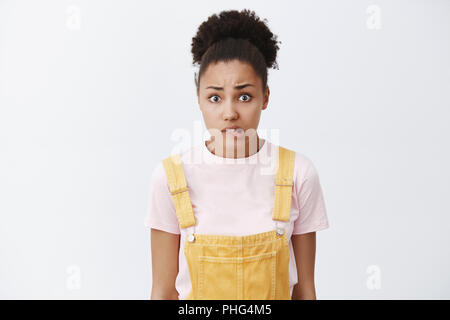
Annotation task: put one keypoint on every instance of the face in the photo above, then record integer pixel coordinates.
(230, 94)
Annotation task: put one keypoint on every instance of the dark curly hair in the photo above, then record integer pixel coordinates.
(235, 35)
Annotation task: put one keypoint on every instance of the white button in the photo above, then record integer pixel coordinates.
(191, 238)
(280, 231)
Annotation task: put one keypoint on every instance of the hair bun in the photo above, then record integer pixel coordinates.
(234, 24)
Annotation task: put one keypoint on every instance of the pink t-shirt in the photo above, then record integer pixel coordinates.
(236, 197)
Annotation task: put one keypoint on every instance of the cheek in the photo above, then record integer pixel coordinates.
(205, 107)
(251, 111)
(210, 115)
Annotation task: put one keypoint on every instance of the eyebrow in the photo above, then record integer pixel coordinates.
(239, 87)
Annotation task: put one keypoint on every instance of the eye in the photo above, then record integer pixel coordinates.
(214, 96)
(248, 97)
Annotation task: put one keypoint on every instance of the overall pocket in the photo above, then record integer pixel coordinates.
(218, 278)
(259, 276)
(237, 278)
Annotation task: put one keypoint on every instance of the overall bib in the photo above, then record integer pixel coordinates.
(250, 267)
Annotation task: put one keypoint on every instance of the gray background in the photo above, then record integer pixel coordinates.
(95, 93)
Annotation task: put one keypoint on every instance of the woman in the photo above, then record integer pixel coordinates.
(232, 225)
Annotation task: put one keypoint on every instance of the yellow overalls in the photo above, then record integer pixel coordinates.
(250, 267)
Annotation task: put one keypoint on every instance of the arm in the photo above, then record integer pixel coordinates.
(165, 248)
(304, 246)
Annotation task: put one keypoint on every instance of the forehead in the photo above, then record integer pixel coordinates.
(229, 73)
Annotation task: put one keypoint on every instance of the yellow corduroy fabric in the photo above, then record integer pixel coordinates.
(251, 267)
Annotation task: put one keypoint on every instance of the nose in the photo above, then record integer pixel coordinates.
(229, 112)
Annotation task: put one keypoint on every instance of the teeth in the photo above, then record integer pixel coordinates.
(233, 130)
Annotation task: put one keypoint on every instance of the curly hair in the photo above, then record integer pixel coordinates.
(235, 35)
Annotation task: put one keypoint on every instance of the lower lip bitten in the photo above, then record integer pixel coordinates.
(238, 133)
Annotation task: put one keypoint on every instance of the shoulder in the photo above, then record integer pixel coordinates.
(304, 168)
(305, 176)
(159, 175)
(187, 156)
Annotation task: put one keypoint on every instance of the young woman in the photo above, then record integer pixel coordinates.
(234, 218)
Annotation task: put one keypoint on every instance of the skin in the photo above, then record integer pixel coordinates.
(304, 246)
(223, 106)
(165, 247)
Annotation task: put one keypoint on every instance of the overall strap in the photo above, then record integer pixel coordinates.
(284, 184)
(178, 189)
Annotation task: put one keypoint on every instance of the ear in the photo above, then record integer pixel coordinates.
(197, 91)
(266, 98)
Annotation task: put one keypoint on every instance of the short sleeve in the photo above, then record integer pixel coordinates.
(310, 201)
(161, 212)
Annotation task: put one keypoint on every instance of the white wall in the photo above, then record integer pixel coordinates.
(91, 92)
